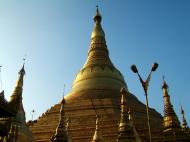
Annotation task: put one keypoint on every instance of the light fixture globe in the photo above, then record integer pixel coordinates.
(154, 66)
(134, 69)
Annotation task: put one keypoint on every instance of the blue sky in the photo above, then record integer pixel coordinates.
(55, 37)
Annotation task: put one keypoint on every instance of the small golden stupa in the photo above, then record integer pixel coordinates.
(19, 131)
(172, 130)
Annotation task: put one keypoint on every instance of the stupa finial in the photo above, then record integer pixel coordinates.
(97, 134)
(97, 17)
(97, 31)
(184, 122)
(171, 125)
(16, 97)
(60, 133)
(125, 129)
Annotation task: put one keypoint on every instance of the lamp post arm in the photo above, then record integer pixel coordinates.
(143, 83)
(148, 81)
(140, 78)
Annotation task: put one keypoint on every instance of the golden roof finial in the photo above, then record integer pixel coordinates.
(125, 129)
(97, 134)
(97, 17)
(60, 134)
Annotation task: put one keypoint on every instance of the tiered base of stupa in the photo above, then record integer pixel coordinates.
(82, 114)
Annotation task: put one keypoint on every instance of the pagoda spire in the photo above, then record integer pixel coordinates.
(98, 65)
(98, 53)
(97, 31)
(170, 117)
(61, 133)
(126, 133)
(172, 130)
(97, 134)
(19, 130)
(16, 97)
(184, 122)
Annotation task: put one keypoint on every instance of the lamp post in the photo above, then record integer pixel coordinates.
(145, 85)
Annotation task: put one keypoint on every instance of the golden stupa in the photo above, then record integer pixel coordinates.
(18, 129)
(96, 91)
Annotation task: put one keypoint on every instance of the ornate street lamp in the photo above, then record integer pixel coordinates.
(145, 85)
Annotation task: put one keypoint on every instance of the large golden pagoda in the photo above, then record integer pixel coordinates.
(96, 91)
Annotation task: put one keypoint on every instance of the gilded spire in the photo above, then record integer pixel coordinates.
(171, 126)
(125, 129)
(19, 131)
(16, 97)
(184, 122)
(97, 134)
(97, 17)
(170, 117)
(60, 134)
(97, 31)
(98, 52)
